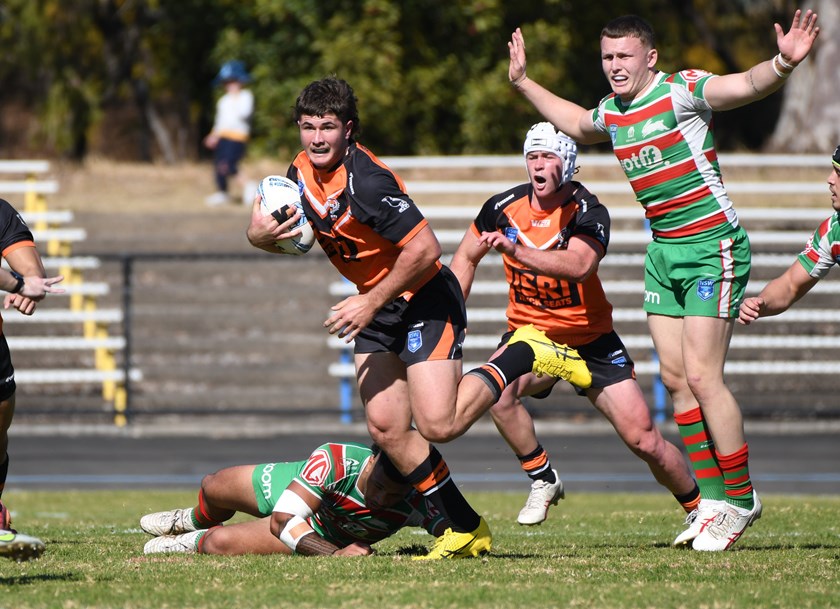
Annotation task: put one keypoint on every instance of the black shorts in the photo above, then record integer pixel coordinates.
(607, 359)
(7, 372)
(430, 326)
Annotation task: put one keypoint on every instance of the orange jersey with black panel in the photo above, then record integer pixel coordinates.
(361, 216)
(568, 312)
(13, 233)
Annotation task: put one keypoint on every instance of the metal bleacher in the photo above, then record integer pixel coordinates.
(67, 322)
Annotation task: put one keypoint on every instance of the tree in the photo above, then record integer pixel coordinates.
(808, 121)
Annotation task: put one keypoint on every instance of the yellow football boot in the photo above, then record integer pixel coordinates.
(553, 359)
(460, 545)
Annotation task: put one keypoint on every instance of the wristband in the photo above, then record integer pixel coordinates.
(779, 73)
(784, 64)
(17, 289)
(518, 81)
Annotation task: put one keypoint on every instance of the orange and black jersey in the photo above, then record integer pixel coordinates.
(361, 215)
(568, 312)
(13, 232)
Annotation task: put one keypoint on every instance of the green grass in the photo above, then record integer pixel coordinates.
(595, 550)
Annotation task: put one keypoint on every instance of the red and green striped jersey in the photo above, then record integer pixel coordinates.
(664, 142)
(331, 474)
(823, 248)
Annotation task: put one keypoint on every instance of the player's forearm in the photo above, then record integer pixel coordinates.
(735, 90)
(562, 113)
(315, 545)
(561, 265)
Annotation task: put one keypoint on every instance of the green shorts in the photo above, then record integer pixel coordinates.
(705, 278)
(270, 480)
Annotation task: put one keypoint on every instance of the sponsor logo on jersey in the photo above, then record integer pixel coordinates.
(511, 233)
(415, 341)
(705, 289)
(502, 202)
(317, 468)
(350, 178)
(652, 297)
(544, 223)
(631, 133)
(653, 126)
(648, 158)
(265, 480)
(399, 204)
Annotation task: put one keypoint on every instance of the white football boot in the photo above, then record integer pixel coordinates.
(541, 496)
(697, 519)
(726, 527)
(172, 522)
(169, 544)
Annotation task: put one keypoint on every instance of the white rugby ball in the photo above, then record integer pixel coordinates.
(278, 197)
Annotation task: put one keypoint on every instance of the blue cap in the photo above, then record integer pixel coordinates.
(232, 70)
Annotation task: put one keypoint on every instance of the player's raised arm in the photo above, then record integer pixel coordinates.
(569, 117)
(734, 90)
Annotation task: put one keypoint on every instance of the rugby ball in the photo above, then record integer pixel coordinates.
(279, 196)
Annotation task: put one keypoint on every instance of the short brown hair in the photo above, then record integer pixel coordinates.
(329, 95)
(630, 26)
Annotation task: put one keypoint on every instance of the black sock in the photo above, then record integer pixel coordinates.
(431, 478)
(537, 465)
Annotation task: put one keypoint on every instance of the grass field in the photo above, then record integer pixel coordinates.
(595, 550)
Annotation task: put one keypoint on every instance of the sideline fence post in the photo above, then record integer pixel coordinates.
(122, 407)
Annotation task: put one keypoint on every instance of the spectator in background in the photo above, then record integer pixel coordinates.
(26, 284)
(231, 130)
(814, 263)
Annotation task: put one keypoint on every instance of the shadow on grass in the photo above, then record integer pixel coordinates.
(24, 580)
(420, 550)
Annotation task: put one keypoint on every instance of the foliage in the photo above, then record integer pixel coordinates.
(133, 78)
(595, 550)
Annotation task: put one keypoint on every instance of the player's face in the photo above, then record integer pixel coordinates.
(325, 139)
(545, 169)
(382, 492)
(834, 187)
(628, 65)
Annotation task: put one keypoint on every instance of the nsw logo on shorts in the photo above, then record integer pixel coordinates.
(415, 341)
(705, 289)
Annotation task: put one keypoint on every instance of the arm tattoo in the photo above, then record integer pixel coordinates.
(752, 84)
(315, 545)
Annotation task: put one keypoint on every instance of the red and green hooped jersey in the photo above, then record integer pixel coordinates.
(331, 474)
(664, 142)
(823, 248)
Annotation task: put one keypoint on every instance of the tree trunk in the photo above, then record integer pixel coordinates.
(809, 116)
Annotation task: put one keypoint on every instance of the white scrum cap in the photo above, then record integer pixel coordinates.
(543, 136)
